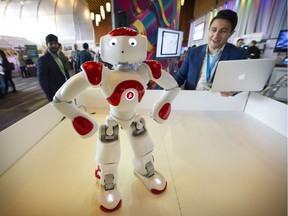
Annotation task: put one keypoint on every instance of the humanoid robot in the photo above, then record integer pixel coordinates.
(123, 87)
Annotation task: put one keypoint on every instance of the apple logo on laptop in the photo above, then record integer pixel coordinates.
(241, 76)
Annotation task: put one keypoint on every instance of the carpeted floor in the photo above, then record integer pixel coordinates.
(28, 98)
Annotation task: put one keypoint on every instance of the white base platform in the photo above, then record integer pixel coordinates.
(216, 163)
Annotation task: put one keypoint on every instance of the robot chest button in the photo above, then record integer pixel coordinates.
(115, 97)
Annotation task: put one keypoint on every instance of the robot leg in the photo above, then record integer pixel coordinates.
(107, 159)
(143, 161)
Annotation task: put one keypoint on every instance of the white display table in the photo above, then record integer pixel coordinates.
(220, 157)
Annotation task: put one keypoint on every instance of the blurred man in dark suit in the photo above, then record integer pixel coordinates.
(253, 51)
(51, 69)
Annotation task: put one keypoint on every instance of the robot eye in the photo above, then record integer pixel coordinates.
(132, 42)
(113, 42)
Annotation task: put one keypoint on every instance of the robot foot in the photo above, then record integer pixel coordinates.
(109, 200)
(156, 183)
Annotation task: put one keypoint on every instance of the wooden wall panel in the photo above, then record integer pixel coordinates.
(202, 7)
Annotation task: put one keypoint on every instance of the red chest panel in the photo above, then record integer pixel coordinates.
(115, 97)
(155, 68)
(93, 71)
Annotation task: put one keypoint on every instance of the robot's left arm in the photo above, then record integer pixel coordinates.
(162, 108)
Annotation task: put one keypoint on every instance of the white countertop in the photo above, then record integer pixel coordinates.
(215, 162)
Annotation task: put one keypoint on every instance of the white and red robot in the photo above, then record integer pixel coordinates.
(123, 87)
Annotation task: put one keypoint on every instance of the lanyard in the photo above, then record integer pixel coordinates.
(209, 67)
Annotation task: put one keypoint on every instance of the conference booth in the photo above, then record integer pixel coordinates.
(220, 156)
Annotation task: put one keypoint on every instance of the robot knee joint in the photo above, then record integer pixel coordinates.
(138, 127)
(108, 133)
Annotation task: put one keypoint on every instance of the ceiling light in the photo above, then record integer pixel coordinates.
(102, 12)
(108, 6)
(92, 15)
(98, 19)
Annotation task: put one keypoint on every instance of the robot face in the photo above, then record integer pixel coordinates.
(123, 45)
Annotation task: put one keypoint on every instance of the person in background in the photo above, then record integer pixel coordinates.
(240, 43)
(22, 64)
(1, 79)
(84, 56)
(74, 57)
(7, 72)
(198, 69)
(63, 57)
(51, 71)
(97, 57)
(92, 54)
(1, 94)
(253, 52)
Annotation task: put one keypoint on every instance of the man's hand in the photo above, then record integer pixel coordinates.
(227, 94)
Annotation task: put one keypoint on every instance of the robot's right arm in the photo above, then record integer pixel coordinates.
(82, 122)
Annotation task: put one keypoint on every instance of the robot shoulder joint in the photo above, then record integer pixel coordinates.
(93, 72)
(155, 68)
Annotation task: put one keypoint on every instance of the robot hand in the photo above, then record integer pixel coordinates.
(162, 108)
(84, 125)
(160, 112)
(82, 122)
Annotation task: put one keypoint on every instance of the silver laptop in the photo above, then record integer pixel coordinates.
(242, 75)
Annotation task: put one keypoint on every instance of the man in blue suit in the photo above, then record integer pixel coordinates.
(198, 69)
(51, 70)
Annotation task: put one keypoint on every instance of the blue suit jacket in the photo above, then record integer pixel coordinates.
(83, 57)
(50, 75)
(191, 67)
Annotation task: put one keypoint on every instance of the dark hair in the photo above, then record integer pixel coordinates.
(253, 42)
(228, 15)
(51, 37)
(85, 46)
(240, 39)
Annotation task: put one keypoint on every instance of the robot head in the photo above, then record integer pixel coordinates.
(123, 45)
